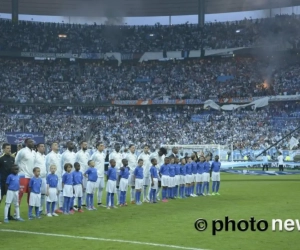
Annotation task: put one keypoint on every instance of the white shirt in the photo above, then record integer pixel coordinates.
(132, 161)
(25, 160)
(82, 157)
(146, 163)
(160, 159)
(280, 159)
(68, 157)
(118, 157)
(40, 161)
(54, 159)
(99, 159)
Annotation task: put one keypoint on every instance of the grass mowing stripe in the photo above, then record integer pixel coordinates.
(101, 239)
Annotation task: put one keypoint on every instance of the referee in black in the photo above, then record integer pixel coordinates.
(7, 160)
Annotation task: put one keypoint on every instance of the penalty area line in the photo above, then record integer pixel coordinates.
(101, 239)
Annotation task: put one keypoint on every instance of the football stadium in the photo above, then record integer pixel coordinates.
(136, 124)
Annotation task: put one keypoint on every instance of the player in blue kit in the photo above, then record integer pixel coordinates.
(171, 179)
(111, 187)
(92, 176)
(67, 185)
(78, 185)
(164, 173)
(123, 180)
(215, 175)
(177, 177)
(154, 181)
(52, 191)
(194, 175)
(182, 178)
(206, 176)
(189, 178)
(12, 195)
(35, 185)
(199, 176)
(138, 176)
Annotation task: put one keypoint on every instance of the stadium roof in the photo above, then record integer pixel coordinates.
(131, 8)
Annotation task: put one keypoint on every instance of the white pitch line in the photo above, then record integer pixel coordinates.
(102, 239)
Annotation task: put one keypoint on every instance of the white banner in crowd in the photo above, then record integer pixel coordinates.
(257, 104)
(293, 142)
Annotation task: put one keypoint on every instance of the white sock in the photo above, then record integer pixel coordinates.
(145, 192)
(100, 192)
(17, 209)
(42, 202)
(132, 192)
(7, 205)
(84, 198)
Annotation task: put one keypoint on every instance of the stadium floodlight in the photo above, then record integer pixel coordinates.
(62, 36)
(237, 31)
(151, 35)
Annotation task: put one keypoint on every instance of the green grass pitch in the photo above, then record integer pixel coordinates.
(172, 223)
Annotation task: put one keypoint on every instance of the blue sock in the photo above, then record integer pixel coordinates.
(204, 187)
(124, 197)
(214, 186)
(207, 187)
(79, 202)
(107, 199)
(87, 200)
(136, 196)
(200, 188)
(65, 205)
(163, 193)
(37, 211)
(52, 207)
(48, 207)
(218, 186)
(192, 188)
(182, 191)
(30, 211)
(112, 199)
(72, 202)
(177, 191)
(92, 200)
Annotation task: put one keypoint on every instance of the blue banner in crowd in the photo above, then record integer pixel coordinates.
(19, 137)
(259, 172)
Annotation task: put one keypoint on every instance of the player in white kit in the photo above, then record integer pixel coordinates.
(118, 157)
(99, 158)
(132, 163)
(82, 157)
(145, 156)
(54, 158)
(40, 162)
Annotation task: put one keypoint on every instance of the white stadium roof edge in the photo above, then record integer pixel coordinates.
(135, 8)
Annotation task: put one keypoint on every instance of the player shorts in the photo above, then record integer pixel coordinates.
(123, 184)
(190, 178)
(44, 186)
(12, 197)
(155, 184)
(68, 191)
(34, 200)
(171, 181)
(165, 180)
(52, 197)
(215, 176)
(111, 187)
(177, 180)
(91, 187)
(146, 181)
(100, 184)
(138, 183)
(205, 177)
(131, 180)
(182, 180)
(78, 192)
(199, 177)
(24, 184)
(84, 182)
(194, 177)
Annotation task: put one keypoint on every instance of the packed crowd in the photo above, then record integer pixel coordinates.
(44, 37)
(77, 82)
(157, 125)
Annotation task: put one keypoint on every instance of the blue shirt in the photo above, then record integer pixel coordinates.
(124, 173)
(200, 169)
(177, 169)
(77, 177)
(182, 170)
(171, 170)
(67, 179)
(112, 174)
(139, 173)
(206, 167)
(35, 185)
(265, 159)
(92, 174)
(52, 180)
(164, 170)
(153, 172)
(194, 167)
(188, 168)
(215, 166)
(13, 182)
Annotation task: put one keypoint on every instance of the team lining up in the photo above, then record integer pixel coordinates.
(186, 177)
